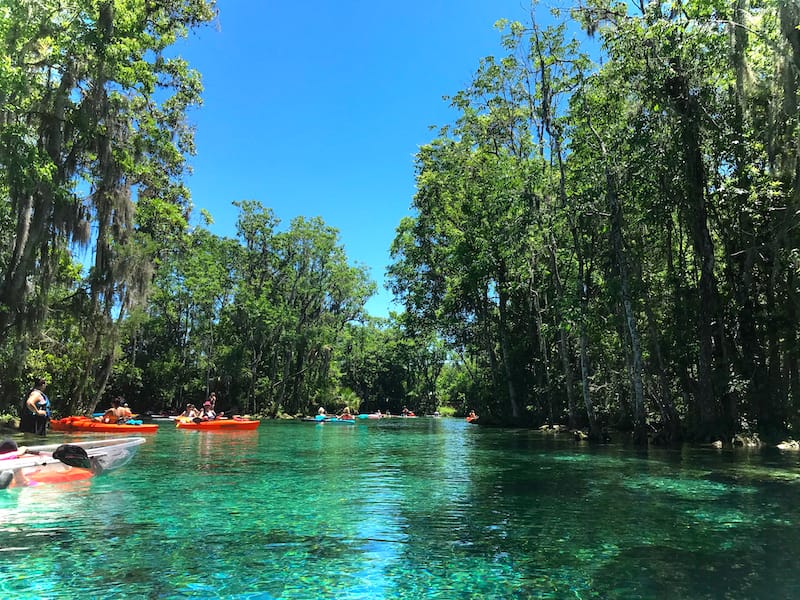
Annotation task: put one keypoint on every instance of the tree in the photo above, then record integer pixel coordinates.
(92, 121)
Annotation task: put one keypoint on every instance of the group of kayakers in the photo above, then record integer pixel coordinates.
(35, 411)
(346, 415)
(206, 413)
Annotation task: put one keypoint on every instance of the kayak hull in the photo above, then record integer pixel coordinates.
(86, 424)
(220, 425)
(42, 468)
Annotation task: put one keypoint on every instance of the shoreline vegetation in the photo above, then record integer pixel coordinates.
(604, 237)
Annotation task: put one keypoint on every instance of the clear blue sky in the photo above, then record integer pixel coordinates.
(317, 108)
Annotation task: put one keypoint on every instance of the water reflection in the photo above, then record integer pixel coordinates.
(399, 508)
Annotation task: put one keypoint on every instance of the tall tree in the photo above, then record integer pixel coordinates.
(92, 119)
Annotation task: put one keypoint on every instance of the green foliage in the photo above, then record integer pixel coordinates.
(92, 130)
(578, 219)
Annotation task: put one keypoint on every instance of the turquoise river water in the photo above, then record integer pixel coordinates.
(407, 508)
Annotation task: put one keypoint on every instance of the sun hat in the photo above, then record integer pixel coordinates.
(206, 403)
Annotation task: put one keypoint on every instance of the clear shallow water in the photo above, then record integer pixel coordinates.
(407, 509)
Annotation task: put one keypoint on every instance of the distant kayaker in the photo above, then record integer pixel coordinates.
(207, 413)
(190, 413)
(35, 413)
(113, 414)
(346, 416)
(125, 410)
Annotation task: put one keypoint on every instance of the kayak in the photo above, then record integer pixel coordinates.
(334, 420)
(39, 466)
(80, 423)
(371, 416)
(218, 424)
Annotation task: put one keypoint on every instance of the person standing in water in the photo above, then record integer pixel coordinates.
(35, 413)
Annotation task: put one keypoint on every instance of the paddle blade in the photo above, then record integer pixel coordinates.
(72, 455)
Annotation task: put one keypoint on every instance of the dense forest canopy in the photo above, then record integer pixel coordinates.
(616, 244)
(605, 236)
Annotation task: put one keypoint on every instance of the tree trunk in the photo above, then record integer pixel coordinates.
(563, 343)
(712, 367)
(505, 348)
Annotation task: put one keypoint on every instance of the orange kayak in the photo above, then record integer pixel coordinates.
(80, 423)
(219, 425)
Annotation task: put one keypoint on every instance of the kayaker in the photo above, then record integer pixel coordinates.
(113, 414)
(126, 414)
(35, 413)
(8, 451)
(125, 410)
(190, 412)
(346, 416)
(207, 414)
(321, 414)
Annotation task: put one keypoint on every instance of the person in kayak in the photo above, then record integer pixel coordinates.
(125, 410)
(190, 413)
(35, 413)
(8, 451)
(346, 416)
(207, 413)
(113, 414)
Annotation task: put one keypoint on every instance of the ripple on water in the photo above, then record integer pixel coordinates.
(406, 510)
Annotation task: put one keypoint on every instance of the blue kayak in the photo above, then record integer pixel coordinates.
(321, 420)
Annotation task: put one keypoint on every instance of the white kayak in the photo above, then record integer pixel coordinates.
(39, 465)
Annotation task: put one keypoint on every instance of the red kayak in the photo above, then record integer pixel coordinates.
(219, 424)
(81, 423)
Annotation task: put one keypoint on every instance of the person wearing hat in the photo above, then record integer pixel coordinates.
(207, 413)
(190, 413)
